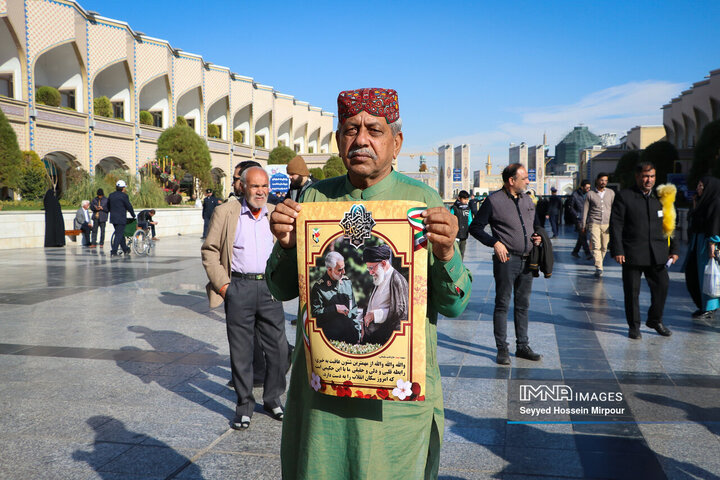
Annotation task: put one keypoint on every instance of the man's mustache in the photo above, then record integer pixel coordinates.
(362, 151)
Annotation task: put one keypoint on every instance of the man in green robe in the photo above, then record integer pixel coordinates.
(326, 437)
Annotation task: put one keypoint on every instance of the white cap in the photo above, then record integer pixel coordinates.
(121, 183)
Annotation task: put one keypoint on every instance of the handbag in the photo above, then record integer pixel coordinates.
(711, 278)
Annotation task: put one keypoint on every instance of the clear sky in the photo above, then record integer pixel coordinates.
(476, 72)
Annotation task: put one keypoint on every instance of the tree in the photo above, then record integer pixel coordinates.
(187, 149)
(317, 173)
(238, 136)
(281, 155)
(706, 158)
(34, 180)
(103, 107)
(180, 121)
(10, 155)
(625, 169)
(663, 155)
(334, 167)
(259, 141)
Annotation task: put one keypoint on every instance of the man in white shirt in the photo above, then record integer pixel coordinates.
(83, 221)
(596, 219)
(388, 304)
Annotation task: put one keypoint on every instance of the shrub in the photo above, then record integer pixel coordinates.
(334, 167)
(706, 158)
(281, 155)
(102, 107)
(238, 136)
(213, 131)
(149, 195)
(663, 154)
(48, 96)
(34, 179)
(181, 121)
(187, 149)
(317, 173)
(625, 169)
(146, 118)
(86, 189)
(259, 141)
(11, 159)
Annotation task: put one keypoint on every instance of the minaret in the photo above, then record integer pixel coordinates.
(488, 166)
(544, 138)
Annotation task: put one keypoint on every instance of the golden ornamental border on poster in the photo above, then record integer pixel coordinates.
(364, 326)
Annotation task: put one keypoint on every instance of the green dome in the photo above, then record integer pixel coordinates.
(568, 150)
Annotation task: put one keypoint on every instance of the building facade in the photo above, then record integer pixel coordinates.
(686, 115)
(59, 44)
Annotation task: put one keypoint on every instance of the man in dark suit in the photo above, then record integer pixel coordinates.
(640, 246)
(99, 207)
(208, 208)
(118, 206)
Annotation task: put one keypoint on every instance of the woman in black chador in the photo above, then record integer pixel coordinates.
(54, 223)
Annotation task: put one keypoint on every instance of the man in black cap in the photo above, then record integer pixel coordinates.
(208, 208)
(388, 304)
(553, 212)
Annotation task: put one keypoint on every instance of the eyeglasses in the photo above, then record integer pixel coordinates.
(235, 179)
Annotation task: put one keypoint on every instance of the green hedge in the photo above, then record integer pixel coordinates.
(213, 131)
(48, 96)
(181, 121)
(146, 118)
(259, 141)
(102, 107)
(238, 136)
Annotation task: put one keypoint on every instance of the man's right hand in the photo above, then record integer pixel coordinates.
(501, 252)
(282, 222)
(342, 309)
(620, 259)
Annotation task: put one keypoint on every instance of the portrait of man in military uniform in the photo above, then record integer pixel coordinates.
(332, 302)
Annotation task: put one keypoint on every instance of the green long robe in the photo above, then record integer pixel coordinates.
(336, 438)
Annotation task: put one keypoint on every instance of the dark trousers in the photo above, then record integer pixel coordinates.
(98, 225)
(511, 277)
(554, 223)
(145, 225)
(657, 279)
(461, 246)
(119, 239)
(250, 310)
(581, 242)
(206, 226)
(85, 229)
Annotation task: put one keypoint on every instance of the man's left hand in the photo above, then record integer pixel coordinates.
(674, 258)
(536, 239)
(369, 318)
(442, 228)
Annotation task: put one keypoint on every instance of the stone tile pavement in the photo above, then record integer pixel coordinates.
(117, 370)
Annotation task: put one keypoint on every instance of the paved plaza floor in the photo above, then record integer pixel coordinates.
(116, 369)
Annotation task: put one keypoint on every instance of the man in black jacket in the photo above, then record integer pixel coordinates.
(577, 203)
(511, 215)
(208, 207)
(119, 205)
(640, 246)
(99, 207)
(461, 210)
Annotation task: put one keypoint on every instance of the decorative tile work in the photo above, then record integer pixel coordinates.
(3, 7)
(152, 60)
(188, 74)
(262, 103)
(15, 110)
(50, 23)
(221, 161)
(20, 133)
(212, 145)
(242, 95)
(52, 140)
(102, 126)
(283, 111)
(114, 147)
(146, 152)
(216, 83)
(60, 118)
(107, 46)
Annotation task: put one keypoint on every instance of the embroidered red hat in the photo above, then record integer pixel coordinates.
(379, 102)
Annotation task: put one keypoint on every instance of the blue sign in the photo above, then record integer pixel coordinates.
(531, 176)
(279, 183)
(457, 176)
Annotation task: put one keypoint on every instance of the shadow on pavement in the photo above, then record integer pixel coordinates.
(118, 452)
